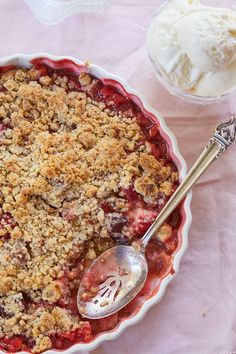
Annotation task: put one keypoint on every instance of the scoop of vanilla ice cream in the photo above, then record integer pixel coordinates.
(164, 48)
(208, 37)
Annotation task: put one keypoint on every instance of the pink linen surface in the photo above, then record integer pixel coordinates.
(198, 313)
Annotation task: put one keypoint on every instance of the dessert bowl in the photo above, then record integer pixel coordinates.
(156, 284)
(191, 95)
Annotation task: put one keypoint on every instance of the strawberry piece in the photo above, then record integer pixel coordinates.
(11, 345)
(84, 333)
(153, 131)
(143, 120)
(70, 336)
(132, 196)
(105, 324)
(108, 91)
(162, 264)
(141, 219)
(108, 323)
(112, 97)
(65, 340)
(163, 150)
(127, 108)
(155, 150)
(159, 262)
(107, 208)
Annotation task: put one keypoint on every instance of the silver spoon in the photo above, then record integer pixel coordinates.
(118, 274)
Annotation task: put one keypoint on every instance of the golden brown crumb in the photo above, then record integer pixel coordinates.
(164, 232)
(145, 186)
(149, 163)
(63, 156)
(42, 343)
(63, 320)
(84, 79)
(52, 292)
(45, 80)
(166, 188)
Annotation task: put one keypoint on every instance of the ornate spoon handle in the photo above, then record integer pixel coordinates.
(223, 137)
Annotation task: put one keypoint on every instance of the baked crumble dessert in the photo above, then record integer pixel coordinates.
(82, 168)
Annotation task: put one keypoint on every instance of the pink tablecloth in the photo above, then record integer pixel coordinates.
(198, 312)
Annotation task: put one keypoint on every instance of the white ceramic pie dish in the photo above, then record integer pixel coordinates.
(22, 60)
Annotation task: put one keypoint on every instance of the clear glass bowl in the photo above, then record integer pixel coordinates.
(50, 12)
(176, 91)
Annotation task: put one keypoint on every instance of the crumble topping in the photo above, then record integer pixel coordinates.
(63, 157)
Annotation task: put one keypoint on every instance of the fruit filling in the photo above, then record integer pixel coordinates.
(82, 168)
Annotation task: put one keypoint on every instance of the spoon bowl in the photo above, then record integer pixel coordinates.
(112, 282)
